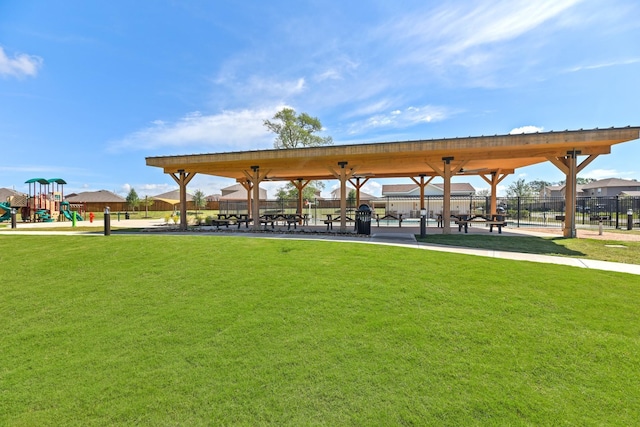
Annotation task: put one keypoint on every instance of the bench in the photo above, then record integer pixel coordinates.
(266, 220)
(330, 220)
(220, 222)
(293, 219)
(600, 218)
(237, 219)
(498, 224)
(463, 223)
(243, 220)
(388, 217)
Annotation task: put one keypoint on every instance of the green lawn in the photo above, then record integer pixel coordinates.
(214, 330)
(603, 250)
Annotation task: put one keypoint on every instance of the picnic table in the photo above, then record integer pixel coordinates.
(493, 220)
(331, 219)
(389, 217)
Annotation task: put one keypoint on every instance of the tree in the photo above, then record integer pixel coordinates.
(519, 189)
(290, 192)
(132, 199)
(579, 181)
(199, 200)
(146, 202)
(351, 197)
(538, 186)
(293, 131)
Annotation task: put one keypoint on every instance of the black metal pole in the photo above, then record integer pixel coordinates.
(13, 218)
(107, 221)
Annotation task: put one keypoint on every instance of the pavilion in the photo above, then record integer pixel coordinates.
(491, 157)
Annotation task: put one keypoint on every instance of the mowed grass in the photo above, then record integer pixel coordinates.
(604, 250)
(213, 330)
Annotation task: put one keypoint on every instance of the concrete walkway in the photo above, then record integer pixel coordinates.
(394, 236)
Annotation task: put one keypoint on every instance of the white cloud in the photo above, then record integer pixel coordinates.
(469, 43)
(603, 65)
(20, 65)
(263, 89)
(228, 130)
(455, 30)
(402, 118)
(330, 74)
(606, 173)
(526, 129)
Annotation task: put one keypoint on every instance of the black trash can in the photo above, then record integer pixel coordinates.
(363, 219)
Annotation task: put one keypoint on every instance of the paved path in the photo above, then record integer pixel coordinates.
(404, 237)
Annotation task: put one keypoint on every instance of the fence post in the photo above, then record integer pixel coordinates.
(519, 212)
(617, 212)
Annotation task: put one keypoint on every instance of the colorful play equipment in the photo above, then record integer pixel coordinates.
(44, 202)
(5, 210)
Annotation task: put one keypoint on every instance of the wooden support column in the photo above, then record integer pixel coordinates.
(182, 179)
(496, 178)
(256, 178)
(247, 186)
(569, 166)
(343, 174)
(300, 184)
(422, 184)
(446, 203)
(357, 186)
(445, 173)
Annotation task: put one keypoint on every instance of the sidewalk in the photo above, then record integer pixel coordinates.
(393, 236)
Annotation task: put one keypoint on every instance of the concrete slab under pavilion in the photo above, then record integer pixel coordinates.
(491, 157)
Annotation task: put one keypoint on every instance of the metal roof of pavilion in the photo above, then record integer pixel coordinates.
(470, 155)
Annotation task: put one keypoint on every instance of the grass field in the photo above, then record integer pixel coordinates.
(213, 330)
(603, 250)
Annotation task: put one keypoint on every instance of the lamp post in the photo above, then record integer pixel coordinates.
(107, 221)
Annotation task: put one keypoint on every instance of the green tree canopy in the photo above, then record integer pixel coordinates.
(539, 185)
(199, 199)
(519, 188)
(292, 131)
(146, 202)
(290, 192)
(296, 130)
(132, 199)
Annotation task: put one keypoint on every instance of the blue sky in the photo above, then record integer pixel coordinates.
(88, 89)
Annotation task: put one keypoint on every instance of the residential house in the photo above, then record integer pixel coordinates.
(97, 201)
(238, 192)
(559, 191)
(6, 193)
(405, 199)
(610, 187)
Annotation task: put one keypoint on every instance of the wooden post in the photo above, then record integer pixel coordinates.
(446, 202)
(182, 179)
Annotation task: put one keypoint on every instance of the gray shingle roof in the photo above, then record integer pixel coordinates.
(100, 196)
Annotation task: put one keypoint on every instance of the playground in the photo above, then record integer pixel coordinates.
(44, 202)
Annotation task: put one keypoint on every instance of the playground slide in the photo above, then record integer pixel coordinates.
(6, 216)
(67, 214)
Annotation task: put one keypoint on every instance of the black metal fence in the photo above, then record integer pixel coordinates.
(520, 211)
